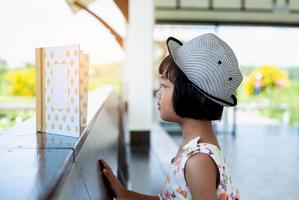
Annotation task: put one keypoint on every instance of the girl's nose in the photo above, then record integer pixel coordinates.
(158, 93)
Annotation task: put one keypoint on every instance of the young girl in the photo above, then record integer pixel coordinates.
(198, 78)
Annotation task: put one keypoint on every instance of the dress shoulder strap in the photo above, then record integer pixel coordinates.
(195, 146)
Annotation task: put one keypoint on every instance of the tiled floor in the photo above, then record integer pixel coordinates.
(263, 160)
(145, 173)
(147, 167)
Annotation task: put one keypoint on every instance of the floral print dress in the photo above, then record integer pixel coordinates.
(175, 184)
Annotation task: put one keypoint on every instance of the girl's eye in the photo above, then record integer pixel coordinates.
(163, 85)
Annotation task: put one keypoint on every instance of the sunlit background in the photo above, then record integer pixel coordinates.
(25, 25)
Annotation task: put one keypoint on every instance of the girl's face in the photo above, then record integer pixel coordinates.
(164, 101)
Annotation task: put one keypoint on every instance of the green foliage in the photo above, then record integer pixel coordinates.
(10, 118)
(282, 103)
(293, 73)
(3, 69)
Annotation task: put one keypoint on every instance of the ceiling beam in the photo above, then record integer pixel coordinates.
(123, 5)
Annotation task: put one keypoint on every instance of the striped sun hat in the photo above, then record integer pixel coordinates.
(210, 64)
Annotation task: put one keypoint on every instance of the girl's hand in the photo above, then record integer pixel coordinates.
(121, 193)
(119, 190)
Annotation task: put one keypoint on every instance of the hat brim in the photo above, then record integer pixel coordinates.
(232, 101)
(173, 45)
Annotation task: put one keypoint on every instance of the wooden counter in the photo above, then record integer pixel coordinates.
(47, 166)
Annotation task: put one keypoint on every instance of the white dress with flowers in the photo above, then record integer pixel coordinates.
(175, 184)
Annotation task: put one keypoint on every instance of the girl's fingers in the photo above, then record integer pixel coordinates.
(106, 165)
(118, 189)
(114, 182)
(109, 175)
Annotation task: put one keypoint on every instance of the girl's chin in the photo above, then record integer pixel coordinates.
(165, 118)
(168, 118)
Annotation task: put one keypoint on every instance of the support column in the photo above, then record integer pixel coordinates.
(140, 71)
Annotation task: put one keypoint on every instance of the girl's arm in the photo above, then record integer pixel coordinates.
(201, 176)
(120, 191)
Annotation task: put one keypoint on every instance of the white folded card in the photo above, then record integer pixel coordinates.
(61, 90)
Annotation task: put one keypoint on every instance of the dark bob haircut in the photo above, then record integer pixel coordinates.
(187, 100)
